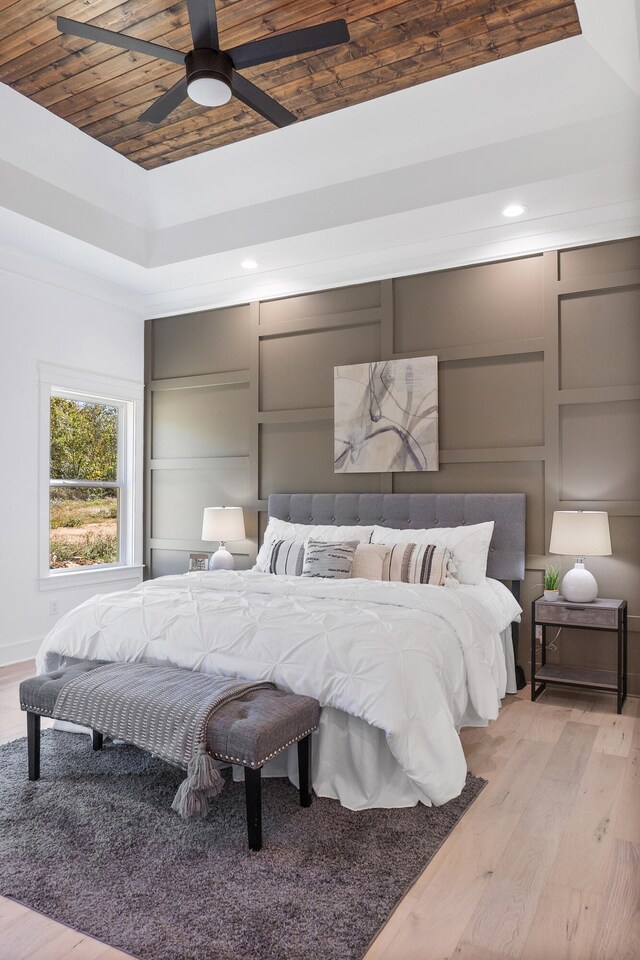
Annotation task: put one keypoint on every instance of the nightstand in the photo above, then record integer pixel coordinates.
(600, 614)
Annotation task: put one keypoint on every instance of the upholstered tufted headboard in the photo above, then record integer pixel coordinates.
(420, 510)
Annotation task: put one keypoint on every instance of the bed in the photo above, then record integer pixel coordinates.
(398, 668)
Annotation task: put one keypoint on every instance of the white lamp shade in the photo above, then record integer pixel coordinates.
(223, 523)
(580, 533)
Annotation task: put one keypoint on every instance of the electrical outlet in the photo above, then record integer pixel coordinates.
(54, 608)
(539, 634)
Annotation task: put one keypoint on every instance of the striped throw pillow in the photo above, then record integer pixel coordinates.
(286, 558)
(332, 560)
(419, 563)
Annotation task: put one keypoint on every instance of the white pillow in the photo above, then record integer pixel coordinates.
(284, 530)
(469, 545)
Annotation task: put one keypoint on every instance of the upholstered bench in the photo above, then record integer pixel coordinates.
(248, 731)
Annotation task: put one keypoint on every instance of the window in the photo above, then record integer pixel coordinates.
(88, 523)
(85, 481)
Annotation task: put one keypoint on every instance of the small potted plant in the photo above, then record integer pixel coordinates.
(551, 583)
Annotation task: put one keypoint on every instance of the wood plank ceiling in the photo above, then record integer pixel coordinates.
(394, 44)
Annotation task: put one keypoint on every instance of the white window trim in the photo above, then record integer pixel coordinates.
(128, 396)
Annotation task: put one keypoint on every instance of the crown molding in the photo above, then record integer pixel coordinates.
(38, 269)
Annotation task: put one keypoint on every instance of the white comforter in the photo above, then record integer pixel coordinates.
(405, 659)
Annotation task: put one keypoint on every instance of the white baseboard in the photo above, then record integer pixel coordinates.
(17, 652)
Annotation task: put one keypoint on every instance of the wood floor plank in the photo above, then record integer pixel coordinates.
(26, 934)
(582, 859)
(469, 951)
(60, 944)
(564, 926)
(501, 738)
(549, 725)
(615, 734)
(571, 753)
(586, 706)
(513, 784)
(504, 915)
(9, 911)
(618, 936)
(450, 890)
(627, 821)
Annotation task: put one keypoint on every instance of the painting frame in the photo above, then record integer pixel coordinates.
(386, 416)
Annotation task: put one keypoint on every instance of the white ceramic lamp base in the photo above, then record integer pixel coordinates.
(578, 586)
(221, 559)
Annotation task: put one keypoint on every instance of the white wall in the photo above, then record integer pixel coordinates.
(49, 316)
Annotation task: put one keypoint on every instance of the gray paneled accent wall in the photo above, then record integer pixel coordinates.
(539, 361)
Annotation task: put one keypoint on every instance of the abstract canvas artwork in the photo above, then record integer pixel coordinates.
(386, 416)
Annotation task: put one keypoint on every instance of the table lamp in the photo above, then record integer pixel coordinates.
(222, 524)
(582, 533)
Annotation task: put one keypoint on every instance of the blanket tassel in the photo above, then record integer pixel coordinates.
(203, 780)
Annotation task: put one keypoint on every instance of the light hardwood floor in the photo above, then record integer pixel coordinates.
(545, 865)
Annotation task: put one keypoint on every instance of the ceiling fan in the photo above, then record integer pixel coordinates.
(212, 76)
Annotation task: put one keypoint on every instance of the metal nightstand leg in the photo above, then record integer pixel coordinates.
(536, 690)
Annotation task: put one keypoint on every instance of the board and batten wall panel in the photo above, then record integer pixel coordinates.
(600, 457)
(213, 341)
(600, 339)
(488, 303)
(599, 259)
(539, 393)
(289, 382)
(198, 429)
(182, 422)
(330, 303)
(491, 402)
(299, 457)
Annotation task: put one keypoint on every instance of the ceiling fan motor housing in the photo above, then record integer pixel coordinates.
(204, 63)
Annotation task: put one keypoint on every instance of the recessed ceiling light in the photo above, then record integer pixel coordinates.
(249, 264)
(514, 210)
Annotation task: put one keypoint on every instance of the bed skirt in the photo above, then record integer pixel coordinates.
(352, 762)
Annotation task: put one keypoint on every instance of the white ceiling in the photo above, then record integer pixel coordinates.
(359, 194)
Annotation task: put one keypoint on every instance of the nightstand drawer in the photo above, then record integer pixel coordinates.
(576, 616)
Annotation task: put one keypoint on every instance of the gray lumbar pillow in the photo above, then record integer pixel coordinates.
(333, 560)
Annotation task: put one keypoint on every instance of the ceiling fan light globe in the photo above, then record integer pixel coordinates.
(209, 91)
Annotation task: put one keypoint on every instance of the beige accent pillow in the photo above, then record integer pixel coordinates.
(371, 561)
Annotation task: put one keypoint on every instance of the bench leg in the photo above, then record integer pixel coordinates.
(304, 770)
(253, 792)
(33, 744)
(97, 740)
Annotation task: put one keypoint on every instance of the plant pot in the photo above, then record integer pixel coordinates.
(551, 595)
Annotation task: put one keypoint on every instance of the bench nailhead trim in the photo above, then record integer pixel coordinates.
(260, 763)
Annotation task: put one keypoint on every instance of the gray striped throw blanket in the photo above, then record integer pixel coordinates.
(164, 710)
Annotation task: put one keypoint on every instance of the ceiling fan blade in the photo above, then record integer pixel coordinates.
(166, 103)
(204, 23)
(88, 32)
(260, 101)
(289, 44)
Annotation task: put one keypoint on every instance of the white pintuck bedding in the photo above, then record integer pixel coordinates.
(398, 668)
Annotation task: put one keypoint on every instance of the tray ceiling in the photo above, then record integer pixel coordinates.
(394, 44)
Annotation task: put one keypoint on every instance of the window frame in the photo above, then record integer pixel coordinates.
(127, 396)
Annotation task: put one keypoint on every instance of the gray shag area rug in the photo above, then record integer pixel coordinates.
(95, 845)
